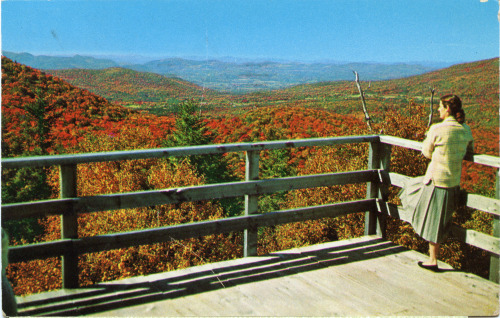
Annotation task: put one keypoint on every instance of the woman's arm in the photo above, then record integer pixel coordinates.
(470, 145)
(428, 144)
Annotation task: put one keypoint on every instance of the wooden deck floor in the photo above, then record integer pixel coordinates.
(361, 277)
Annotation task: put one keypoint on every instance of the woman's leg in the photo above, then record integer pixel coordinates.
(433, 254)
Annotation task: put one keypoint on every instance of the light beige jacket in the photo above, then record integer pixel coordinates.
(446, 144)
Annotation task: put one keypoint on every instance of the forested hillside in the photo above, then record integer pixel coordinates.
(43, 114)
(476, 83)
(131, 88)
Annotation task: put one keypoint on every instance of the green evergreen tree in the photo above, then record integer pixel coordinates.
(275, 165)
(192, 131)
(190, 128)
(28, 184)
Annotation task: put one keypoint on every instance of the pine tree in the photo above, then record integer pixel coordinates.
(192, 131)
(28, 184)
(190, 128)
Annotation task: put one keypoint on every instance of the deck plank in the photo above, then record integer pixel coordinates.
(366, 276)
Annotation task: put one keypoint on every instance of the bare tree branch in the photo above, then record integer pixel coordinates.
(365, 110)
(431, 113)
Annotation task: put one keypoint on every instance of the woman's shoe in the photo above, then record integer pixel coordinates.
(433, 268)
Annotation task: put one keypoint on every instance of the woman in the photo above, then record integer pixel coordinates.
(433, 197)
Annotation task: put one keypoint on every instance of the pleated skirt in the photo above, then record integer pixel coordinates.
(431, 208)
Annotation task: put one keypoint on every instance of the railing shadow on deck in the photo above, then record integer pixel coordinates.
(121, 294)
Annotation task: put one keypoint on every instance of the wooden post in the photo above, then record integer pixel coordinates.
(494, 261)
(379, 158)
(69, 226)
(251, 203)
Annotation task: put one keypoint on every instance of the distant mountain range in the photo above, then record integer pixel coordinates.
(45, 62)
(235, 76)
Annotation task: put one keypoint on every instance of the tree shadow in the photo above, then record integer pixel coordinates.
(156, 287)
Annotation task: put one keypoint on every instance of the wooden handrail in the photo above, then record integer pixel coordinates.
(108, 202)
(184, 231)
(71, 159)
(486, 160)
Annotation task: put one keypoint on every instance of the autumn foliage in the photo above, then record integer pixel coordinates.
(43, 114)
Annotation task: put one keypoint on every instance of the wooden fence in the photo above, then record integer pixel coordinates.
(377, 176)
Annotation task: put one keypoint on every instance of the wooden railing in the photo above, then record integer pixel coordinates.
(69, 205)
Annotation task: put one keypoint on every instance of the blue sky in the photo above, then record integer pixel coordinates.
(306, 30)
